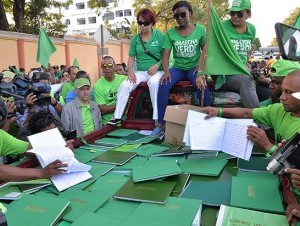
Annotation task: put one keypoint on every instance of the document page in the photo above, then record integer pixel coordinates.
(235, 138)
(49, 138)
(205, 134)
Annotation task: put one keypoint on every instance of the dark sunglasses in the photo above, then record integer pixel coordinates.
(105, 66)
(239, 14)
(143, 23)
(177, 15)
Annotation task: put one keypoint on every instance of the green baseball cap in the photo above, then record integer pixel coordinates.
(8, 74)
(282, 68)
(238, 5)
(80, 82)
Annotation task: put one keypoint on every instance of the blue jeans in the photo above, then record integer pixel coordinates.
(164, 90)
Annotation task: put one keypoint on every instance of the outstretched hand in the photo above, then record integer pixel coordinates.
(53, 169)
(259, 137)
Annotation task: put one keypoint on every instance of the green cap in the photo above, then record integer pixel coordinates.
(282, 68)
(238, 5)
(80, 82)
(8, 74)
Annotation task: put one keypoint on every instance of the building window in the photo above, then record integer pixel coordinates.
(108, 16)
(127, 12)
(66, 7)
(68, 22)
(80, 5)
(80, 21)
(119, 13)
(92, 20)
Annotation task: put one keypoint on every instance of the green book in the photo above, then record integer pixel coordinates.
(84, 155)
(209, 216)
(171, 152)
(153, 192)
(109, 141)
(232, 216)
(207, 167)
(212, 193)
(121, 132)
(256, 193)
(155, 169)
(126, 147)
(149, 149)
(81, 202)
(254, 164)
(30, 188)
(181, 182)
(94, 219)
(176, 212)
(36, 210)
(132, 163)
(115, 157)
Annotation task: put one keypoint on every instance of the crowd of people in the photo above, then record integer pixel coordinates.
(86, 108)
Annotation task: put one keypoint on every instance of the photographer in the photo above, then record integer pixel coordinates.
(41, 100)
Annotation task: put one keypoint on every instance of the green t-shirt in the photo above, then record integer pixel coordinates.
(87, 119)
(186, 50)
(69, 86)
(11, 145)
(154, 46)
(274, 116)
(105, 93)
(240, 41)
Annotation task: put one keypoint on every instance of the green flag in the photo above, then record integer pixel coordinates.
(222, 58)
(75, 63)
(45, 48)
(297, 22)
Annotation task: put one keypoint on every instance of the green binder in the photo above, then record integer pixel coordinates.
(257, 194)
(115, 157)
(36, 210)
(153, 192)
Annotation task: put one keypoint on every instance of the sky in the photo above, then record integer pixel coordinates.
(266, 13)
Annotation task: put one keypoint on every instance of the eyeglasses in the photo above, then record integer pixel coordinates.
(177, 15)
(105, 66)
(144, 23)
(239, 14)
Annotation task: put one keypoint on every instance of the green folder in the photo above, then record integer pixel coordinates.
(181, 182)
(93, 219)
(212, 193)
(81, 202)
(121, 132)
(254, 164)
(232, 216)
(36, 210)
(113, 206)
(257, 194)
(207, 167)
(84, 155)
(176, 212)
(109, 141)
(115, 157)
(149, 149)
(126, 147)
(153, 192)
(155, 169)
(137, 161)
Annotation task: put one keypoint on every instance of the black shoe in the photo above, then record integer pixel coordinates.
(114, 121)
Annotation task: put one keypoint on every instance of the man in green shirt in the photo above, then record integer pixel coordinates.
(106, 89)
(69, 86)
(283, 117)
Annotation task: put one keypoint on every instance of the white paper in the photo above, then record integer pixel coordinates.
(49, 138)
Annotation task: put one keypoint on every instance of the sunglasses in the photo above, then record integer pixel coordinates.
(177, 15)
(105, 66)
(239, 14)
(143, 23)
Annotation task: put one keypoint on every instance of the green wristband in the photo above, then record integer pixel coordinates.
(220, 112)
(271, 150)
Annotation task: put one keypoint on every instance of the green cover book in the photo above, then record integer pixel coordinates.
(36, 210)
(212, 193)
(109, 141)
(94, 219)
(181, 182)
(154, 169)
(84, 155)
(176, 212)
(232, 216)
(171, 152)
(135, 162)
(207, 167)
(115, 157)
(254, 164)
(153, 192)
(81, 202)
(121, 132)
(257, 194)
(149, 149)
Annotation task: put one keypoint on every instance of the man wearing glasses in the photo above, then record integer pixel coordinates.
(106, 89)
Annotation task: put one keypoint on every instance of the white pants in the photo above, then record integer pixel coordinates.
(127, 87)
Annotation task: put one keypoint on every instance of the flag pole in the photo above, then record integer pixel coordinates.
(205, 50)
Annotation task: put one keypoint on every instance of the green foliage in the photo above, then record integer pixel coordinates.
(291, 19)
(256, 44)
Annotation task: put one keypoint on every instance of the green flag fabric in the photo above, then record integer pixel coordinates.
(45, 48)
(222, 58)
(75, 63)
(297, 22)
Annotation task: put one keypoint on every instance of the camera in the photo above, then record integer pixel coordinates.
(287, 156)
(68, 134)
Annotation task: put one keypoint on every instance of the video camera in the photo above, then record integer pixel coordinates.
(287, 156)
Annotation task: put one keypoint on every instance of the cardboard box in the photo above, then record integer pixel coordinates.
(175, 117)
